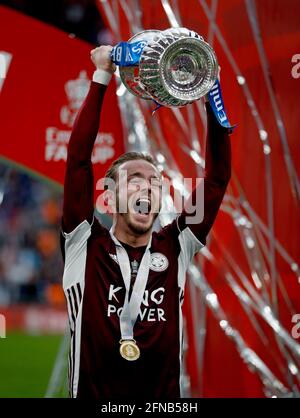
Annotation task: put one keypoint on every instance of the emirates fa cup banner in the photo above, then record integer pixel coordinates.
(44, 77)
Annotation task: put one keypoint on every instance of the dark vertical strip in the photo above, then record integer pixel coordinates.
(72, 362)
(79, 292)
(72, 350)
(72, 308)
(75, 300)
(69, 373)
(74, 357)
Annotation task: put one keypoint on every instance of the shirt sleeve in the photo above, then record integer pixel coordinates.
(78, 203)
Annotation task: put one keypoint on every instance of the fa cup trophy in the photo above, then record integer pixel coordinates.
(174, 67)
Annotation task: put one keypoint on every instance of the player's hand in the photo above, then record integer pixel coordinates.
(219, 78)
(101, 58)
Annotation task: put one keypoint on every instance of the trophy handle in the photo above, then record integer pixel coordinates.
(130, 74)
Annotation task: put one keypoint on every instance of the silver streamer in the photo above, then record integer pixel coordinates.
(294, 180)
(57, 385)
(272, 385)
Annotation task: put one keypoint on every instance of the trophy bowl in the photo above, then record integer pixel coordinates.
(176, 67)
(188, 69)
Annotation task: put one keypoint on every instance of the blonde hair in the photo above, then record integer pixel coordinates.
(111, 173)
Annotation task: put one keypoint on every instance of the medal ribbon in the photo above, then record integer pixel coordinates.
(131, 308)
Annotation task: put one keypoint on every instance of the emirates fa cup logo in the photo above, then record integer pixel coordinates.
(76, 91)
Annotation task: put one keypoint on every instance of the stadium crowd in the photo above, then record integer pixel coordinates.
(30, 259)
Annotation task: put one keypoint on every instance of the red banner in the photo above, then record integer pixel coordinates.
(44, 77)
(35, 319)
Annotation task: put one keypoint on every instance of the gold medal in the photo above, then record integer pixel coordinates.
(129, 350)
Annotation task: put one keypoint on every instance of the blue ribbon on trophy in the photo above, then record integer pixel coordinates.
(174, 67)
(216, 101)
(126, 54)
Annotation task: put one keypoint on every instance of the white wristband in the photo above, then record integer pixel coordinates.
(102, 77)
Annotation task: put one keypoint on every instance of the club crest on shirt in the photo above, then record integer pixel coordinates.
(158, 262)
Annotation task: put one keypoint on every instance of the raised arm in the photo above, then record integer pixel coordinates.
(217, 176)
(78, 204)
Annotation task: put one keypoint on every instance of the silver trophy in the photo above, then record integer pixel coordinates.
(176, 67)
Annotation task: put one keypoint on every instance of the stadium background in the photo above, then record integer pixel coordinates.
(251, 263)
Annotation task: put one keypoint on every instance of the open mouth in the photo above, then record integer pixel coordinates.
(142, 206)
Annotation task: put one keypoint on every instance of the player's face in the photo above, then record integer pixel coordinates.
(139, 191)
